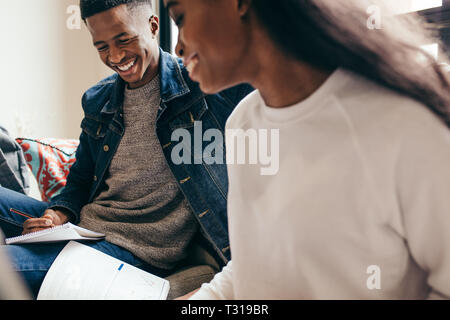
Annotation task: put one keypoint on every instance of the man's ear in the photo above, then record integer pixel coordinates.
(154, 25)
(244, 7)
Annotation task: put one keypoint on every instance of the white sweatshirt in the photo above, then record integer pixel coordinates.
(360, 205)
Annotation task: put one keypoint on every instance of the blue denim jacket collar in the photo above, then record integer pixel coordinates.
(173, 85)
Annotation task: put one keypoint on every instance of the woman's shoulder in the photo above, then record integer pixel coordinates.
(245, 110)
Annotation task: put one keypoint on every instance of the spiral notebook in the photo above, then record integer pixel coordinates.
(64, 232)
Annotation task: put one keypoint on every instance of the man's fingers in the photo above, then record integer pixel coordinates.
(58, 217)
(34, 225)
(27, 231)
(37, 223)
(48, 220)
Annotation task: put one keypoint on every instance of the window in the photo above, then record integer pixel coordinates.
(434, 11)
(437, 13)
(405, 6)
(432, 49)
(174, 35)
(418, 5)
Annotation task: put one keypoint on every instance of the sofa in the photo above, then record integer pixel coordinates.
(50, 160)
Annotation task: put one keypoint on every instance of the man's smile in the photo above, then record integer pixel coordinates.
(125, 68)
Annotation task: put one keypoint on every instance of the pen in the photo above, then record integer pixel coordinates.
(21, 213)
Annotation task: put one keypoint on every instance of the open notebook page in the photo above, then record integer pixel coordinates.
(83, 273)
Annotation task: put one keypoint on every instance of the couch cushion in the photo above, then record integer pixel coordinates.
(50, 161)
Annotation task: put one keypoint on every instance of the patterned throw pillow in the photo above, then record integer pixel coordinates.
(50, 161)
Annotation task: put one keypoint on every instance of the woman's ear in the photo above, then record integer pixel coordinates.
(244, 7)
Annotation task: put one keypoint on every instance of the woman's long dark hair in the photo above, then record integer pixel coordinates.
(334, 33)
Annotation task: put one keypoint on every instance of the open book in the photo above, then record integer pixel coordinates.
(64, 232)
(83, 273)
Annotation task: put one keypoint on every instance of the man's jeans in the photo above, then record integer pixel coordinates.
(34, 260)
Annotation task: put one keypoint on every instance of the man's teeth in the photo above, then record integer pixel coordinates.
(191, 65)
(126, 67)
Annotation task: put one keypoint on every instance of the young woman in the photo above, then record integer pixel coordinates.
(360, 205)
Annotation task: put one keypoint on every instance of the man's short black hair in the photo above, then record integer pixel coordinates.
(92, 7)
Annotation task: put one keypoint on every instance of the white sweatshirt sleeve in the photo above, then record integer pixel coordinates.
(423, 173)
(220, 288)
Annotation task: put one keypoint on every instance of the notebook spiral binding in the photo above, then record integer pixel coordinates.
(33, 234)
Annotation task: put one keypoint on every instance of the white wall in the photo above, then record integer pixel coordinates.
(45, 69)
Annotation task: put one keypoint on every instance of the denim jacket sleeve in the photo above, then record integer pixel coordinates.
(79, 181)
(237, 93)
(232, 97)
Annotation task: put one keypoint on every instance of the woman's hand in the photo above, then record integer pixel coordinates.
(187, 296)
(50, 219)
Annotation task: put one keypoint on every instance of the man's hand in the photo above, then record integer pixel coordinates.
(50, 219)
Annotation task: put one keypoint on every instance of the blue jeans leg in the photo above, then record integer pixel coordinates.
(34, 260)
(15, 208)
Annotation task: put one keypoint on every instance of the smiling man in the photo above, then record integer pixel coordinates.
(126, 38)
(124, 183)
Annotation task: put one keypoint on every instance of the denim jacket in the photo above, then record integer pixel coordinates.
(182, 104)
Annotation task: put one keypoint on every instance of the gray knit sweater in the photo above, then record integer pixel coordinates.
(142, 208)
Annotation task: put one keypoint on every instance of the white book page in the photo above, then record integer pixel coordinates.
(82, 273)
